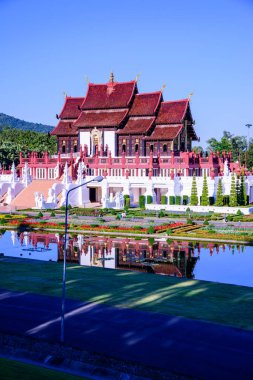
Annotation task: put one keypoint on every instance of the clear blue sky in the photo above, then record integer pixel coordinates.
(205, 47)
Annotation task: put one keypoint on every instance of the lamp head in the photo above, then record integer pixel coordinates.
(98, 178)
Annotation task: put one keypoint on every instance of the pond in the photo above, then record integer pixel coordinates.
(224, 263)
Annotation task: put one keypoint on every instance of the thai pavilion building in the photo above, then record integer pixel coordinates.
(114, 117)
(139, 142)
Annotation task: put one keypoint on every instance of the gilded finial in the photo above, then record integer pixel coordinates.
(163, 87)
(190, 95)
(111, 77)
(137, 77)
(87, 79)
(65, 94)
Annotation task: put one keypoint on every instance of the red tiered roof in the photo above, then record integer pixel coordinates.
(70, 109)
(172, 112)
(101, 118)
(165, 132)
(110, 95)
(64, 128)
(137, 125)
(145, 104)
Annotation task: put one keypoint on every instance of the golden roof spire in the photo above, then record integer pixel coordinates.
(163, 87)
(65, 94)
(111, 77)
(87, 79)
(137, 77)
(190, 95)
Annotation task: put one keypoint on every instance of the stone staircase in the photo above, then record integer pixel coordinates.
(26, 198)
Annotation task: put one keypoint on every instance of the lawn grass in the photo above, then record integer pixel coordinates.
(15, 370)
(209, 301)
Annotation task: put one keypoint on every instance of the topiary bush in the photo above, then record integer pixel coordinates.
(149, 199)
(172, 200)
(178, 200)
(164, 200)
(151, 230)
(142, 202)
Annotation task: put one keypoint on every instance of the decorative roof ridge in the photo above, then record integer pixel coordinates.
(110, 83)
(149, 93)
(174, 125)
(176, 101)
(142, 117)
(65, 102)
(105, 110)
(135, 87)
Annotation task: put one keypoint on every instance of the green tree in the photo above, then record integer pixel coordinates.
(194, 192)
(243, 191)
(219, 194)
(233, 195)
(204, 196)
(237, 145)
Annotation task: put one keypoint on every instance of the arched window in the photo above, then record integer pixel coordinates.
(136, 147)
(165, 148)
(123, 147)
(151, 148)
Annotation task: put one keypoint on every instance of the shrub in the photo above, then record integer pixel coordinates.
(142, 202)
(172, 200)
(118, 217)
(239, 213)
(178, 200)
(206, 223)
(169, 231)
(161, 214)
(40, 215)
(126, 202)
(149, 199)
(185, 200)
(190, 221)
(151, 230)
(164, 200)
(52, 213)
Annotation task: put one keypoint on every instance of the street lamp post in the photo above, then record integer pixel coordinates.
(95, 179)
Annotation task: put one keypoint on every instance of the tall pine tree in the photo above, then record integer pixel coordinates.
(204, 196)
(219, 194)
(233, 194)
(194, 192)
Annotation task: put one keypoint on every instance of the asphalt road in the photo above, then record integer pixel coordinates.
(183, 346)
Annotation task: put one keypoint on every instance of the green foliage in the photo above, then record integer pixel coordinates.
(204, 197)
(151, 230)
(169, 231)
(14, 123)
(126, 202)
(52, 213)
(13, 141)
(161, 214)
(219, 195)
(228, 143)
(185, 199)
(149, 199)
(142, 202)
(118, 217)
(194, 192)
(206, 223)
(233, 194)
(40, 215)
(164, 200)
(172, 200)
(242, 198)
(190, 221)
(239, 212)
(178, 200)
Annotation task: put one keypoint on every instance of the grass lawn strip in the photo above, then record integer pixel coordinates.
(15, 370)
(220, 303)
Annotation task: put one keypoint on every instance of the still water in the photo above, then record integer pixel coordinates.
(230, 264)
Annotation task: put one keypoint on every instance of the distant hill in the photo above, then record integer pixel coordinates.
(12, 122)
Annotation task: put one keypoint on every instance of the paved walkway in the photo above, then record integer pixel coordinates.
(187, 347)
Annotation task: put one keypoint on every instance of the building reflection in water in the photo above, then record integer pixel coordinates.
(215, 262)
(171, 258)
